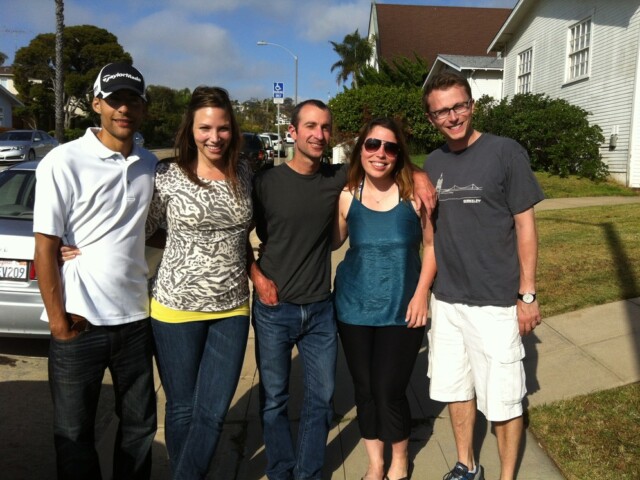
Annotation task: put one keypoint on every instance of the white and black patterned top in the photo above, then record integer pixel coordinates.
(203, 267)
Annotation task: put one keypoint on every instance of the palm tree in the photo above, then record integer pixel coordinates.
(59, 82)
(354, 52)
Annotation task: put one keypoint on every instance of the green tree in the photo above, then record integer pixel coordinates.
(259, 115)
(3, 58)
(88, 48)
(401, 72)
(354, 52)
(166, 107)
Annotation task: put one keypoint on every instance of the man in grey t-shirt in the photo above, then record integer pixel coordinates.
(484, 293)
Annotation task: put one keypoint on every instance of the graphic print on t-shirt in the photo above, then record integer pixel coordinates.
(467, 194)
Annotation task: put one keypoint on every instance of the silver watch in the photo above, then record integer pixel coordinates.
(527, 297)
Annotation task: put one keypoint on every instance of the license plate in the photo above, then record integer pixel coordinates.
(14, 270)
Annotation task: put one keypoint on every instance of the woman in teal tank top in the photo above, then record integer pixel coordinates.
(381, 290)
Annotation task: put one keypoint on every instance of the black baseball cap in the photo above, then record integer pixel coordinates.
(119, 76)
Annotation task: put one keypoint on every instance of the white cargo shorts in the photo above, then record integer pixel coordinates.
(477, 352)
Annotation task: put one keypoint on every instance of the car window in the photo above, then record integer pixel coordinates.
(252, 142)
(17, 194)
(20, 136)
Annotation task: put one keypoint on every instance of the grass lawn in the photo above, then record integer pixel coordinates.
(594, 436)
(588, 256)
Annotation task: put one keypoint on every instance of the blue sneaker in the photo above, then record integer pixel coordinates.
(461, 472)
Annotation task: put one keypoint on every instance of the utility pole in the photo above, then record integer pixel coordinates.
(12, 31)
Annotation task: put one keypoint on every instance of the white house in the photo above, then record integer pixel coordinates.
(7, 103)
(586, 52)
(6, 79)
(483, 73)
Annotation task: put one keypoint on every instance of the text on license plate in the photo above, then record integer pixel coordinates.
(13, 270)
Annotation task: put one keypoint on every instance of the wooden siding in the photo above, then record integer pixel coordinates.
(609, 91)
(486, 83)
(6, 107)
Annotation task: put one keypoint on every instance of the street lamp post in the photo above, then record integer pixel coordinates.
(295, 58)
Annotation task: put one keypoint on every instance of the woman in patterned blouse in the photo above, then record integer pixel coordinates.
(200, 294)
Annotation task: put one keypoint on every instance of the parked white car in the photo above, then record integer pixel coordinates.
(276, 142)
(268, 145)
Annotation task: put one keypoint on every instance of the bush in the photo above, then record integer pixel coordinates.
(556, 134)
(73, 133)
(354, 107)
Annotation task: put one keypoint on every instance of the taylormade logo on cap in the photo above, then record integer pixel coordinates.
(119, 76)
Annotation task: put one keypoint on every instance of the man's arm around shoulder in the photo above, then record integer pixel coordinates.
(424, 192)
(263, 286)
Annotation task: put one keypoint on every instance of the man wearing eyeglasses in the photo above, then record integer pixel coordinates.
(484, 296)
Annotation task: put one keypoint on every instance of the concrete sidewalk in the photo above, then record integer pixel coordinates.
(568, 355)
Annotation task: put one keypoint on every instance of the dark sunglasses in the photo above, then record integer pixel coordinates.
(372, 145)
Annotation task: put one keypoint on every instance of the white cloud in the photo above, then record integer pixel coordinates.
(174, 51)
(205, 7)
(322, 22)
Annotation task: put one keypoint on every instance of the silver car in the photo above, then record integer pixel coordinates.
(21, 145)
(20, 302)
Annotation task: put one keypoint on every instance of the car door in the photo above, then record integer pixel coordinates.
(38, 143)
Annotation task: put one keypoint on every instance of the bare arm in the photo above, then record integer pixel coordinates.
(50, 283)
(418, 308)
(340, 230)
(265, 287)
(424, 192)
(527, 243)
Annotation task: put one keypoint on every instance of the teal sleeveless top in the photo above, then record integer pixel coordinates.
(380, 271)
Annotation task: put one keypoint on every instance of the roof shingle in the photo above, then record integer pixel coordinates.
(428, 30)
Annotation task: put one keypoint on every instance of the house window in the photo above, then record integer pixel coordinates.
(524, 71)
(579, 47)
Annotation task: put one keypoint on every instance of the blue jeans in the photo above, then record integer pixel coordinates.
(312, 328)
(76, 369)
(199, 364)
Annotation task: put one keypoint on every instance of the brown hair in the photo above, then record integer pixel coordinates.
(402, 170)
(443, 81)
(295, 115)
(185, 145)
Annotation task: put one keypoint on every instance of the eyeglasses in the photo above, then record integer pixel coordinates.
(458, 109)
(372, 145)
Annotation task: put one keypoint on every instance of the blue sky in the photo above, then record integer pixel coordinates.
(186, 43)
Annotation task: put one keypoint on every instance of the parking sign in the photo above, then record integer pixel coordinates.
(278, 92)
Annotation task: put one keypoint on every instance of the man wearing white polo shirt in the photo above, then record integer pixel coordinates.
(94, 192)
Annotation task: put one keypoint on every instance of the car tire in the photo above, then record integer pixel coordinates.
(31, 156)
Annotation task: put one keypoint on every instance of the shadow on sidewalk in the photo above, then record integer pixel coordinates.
(26, 412)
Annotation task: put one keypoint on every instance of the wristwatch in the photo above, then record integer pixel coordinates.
(527, 297)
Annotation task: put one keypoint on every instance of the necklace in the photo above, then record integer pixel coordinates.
(384, 194)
